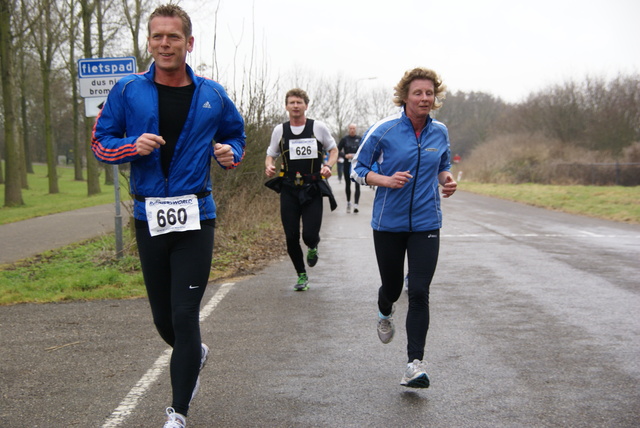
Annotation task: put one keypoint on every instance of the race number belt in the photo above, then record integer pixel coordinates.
(303, 148)
(175, 214)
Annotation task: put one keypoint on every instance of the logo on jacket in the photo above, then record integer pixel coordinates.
(206, 105)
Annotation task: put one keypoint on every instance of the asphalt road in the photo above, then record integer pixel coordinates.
(28, 238)
(534, 324)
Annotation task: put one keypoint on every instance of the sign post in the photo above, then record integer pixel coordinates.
(97, 76)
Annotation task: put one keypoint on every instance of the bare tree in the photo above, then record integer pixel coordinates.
(23, 56)
(12, 190)
(134, 12)
(375, 105)
(71, 25)
(470, 117)
(87, 8)
(44, 22)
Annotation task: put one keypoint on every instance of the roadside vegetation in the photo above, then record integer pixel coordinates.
(249, 236)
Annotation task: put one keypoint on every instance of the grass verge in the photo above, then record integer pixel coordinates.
(72, 196)
(615, 203)
(89, 270)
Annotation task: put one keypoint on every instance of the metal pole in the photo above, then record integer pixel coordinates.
(118, 219)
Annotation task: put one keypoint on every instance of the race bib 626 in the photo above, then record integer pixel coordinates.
(303, 148)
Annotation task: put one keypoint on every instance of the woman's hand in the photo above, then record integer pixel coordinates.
(399, 179)
(449, 186)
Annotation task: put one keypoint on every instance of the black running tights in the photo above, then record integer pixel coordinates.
(291, 211)
(347, 183)
(176, 267)
(422, 250)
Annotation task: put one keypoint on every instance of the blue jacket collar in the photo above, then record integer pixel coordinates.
(406, 118)
(150, 74)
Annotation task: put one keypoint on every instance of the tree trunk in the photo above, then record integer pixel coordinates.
(12, 189)
(93, 171)
(77, 146)
(52, 160)
(26, 152)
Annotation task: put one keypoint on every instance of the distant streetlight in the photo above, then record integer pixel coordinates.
(363, 78)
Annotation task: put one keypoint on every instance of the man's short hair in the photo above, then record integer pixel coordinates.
(172, 11)
(297, 92)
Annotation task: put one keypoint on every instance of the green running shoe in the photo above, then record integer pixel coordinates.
(312, 257)
(303, 282)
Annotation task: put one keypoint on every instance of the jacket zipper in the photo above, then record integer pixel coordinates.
(413, 187)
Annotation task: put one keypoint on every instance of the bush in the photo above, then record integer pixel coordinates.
(526, 158)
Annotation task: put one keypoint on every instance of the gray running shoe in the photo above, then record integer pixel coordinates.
(348, 207)
(416, 375)
(386, 329)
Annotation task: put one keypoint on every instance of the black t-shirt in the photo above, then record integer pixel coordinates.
(173, 108)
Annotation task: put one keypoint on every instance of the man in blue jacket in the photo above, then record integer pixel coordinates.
(168, 124)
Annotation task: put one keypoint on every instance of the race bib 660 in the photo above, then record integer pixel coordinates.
(175, 214)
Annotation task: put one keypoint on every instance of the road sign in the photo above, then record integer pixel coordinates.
(98, 75)
(93, 105)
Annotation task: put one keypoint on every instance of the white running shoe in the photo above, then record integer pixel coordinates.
(174, 420)
(203, 360)
(348, 207)
(415, 376)
(205, 355)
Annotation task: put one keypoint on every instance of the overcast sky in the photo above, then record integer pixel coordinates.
(508, 48)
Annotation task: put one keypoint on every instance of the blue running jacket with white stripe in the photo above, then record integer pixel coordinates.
(391, 145)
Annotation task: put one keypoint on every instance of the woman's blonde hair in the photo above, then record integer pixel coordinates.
(402, 88)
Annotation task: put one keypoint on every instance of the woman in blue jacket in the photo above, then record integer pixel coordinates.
(407, 156)
(168, 124)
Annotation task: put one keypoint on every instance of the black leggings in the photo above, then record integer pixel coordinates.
(291, 211)
(347, 183)
(422, 250)
(176, 267)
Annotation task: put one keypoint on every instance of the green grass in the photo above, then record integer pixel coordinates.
(615, 203)
(72, 195)
(83, 271)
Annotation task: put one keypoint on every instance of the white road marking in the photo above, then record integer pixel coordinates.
(534, 235)
(128, 405)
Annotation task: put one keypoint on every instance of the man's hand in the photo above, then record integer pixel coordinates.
(146, 143)
(270, 170)
(223, 154)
